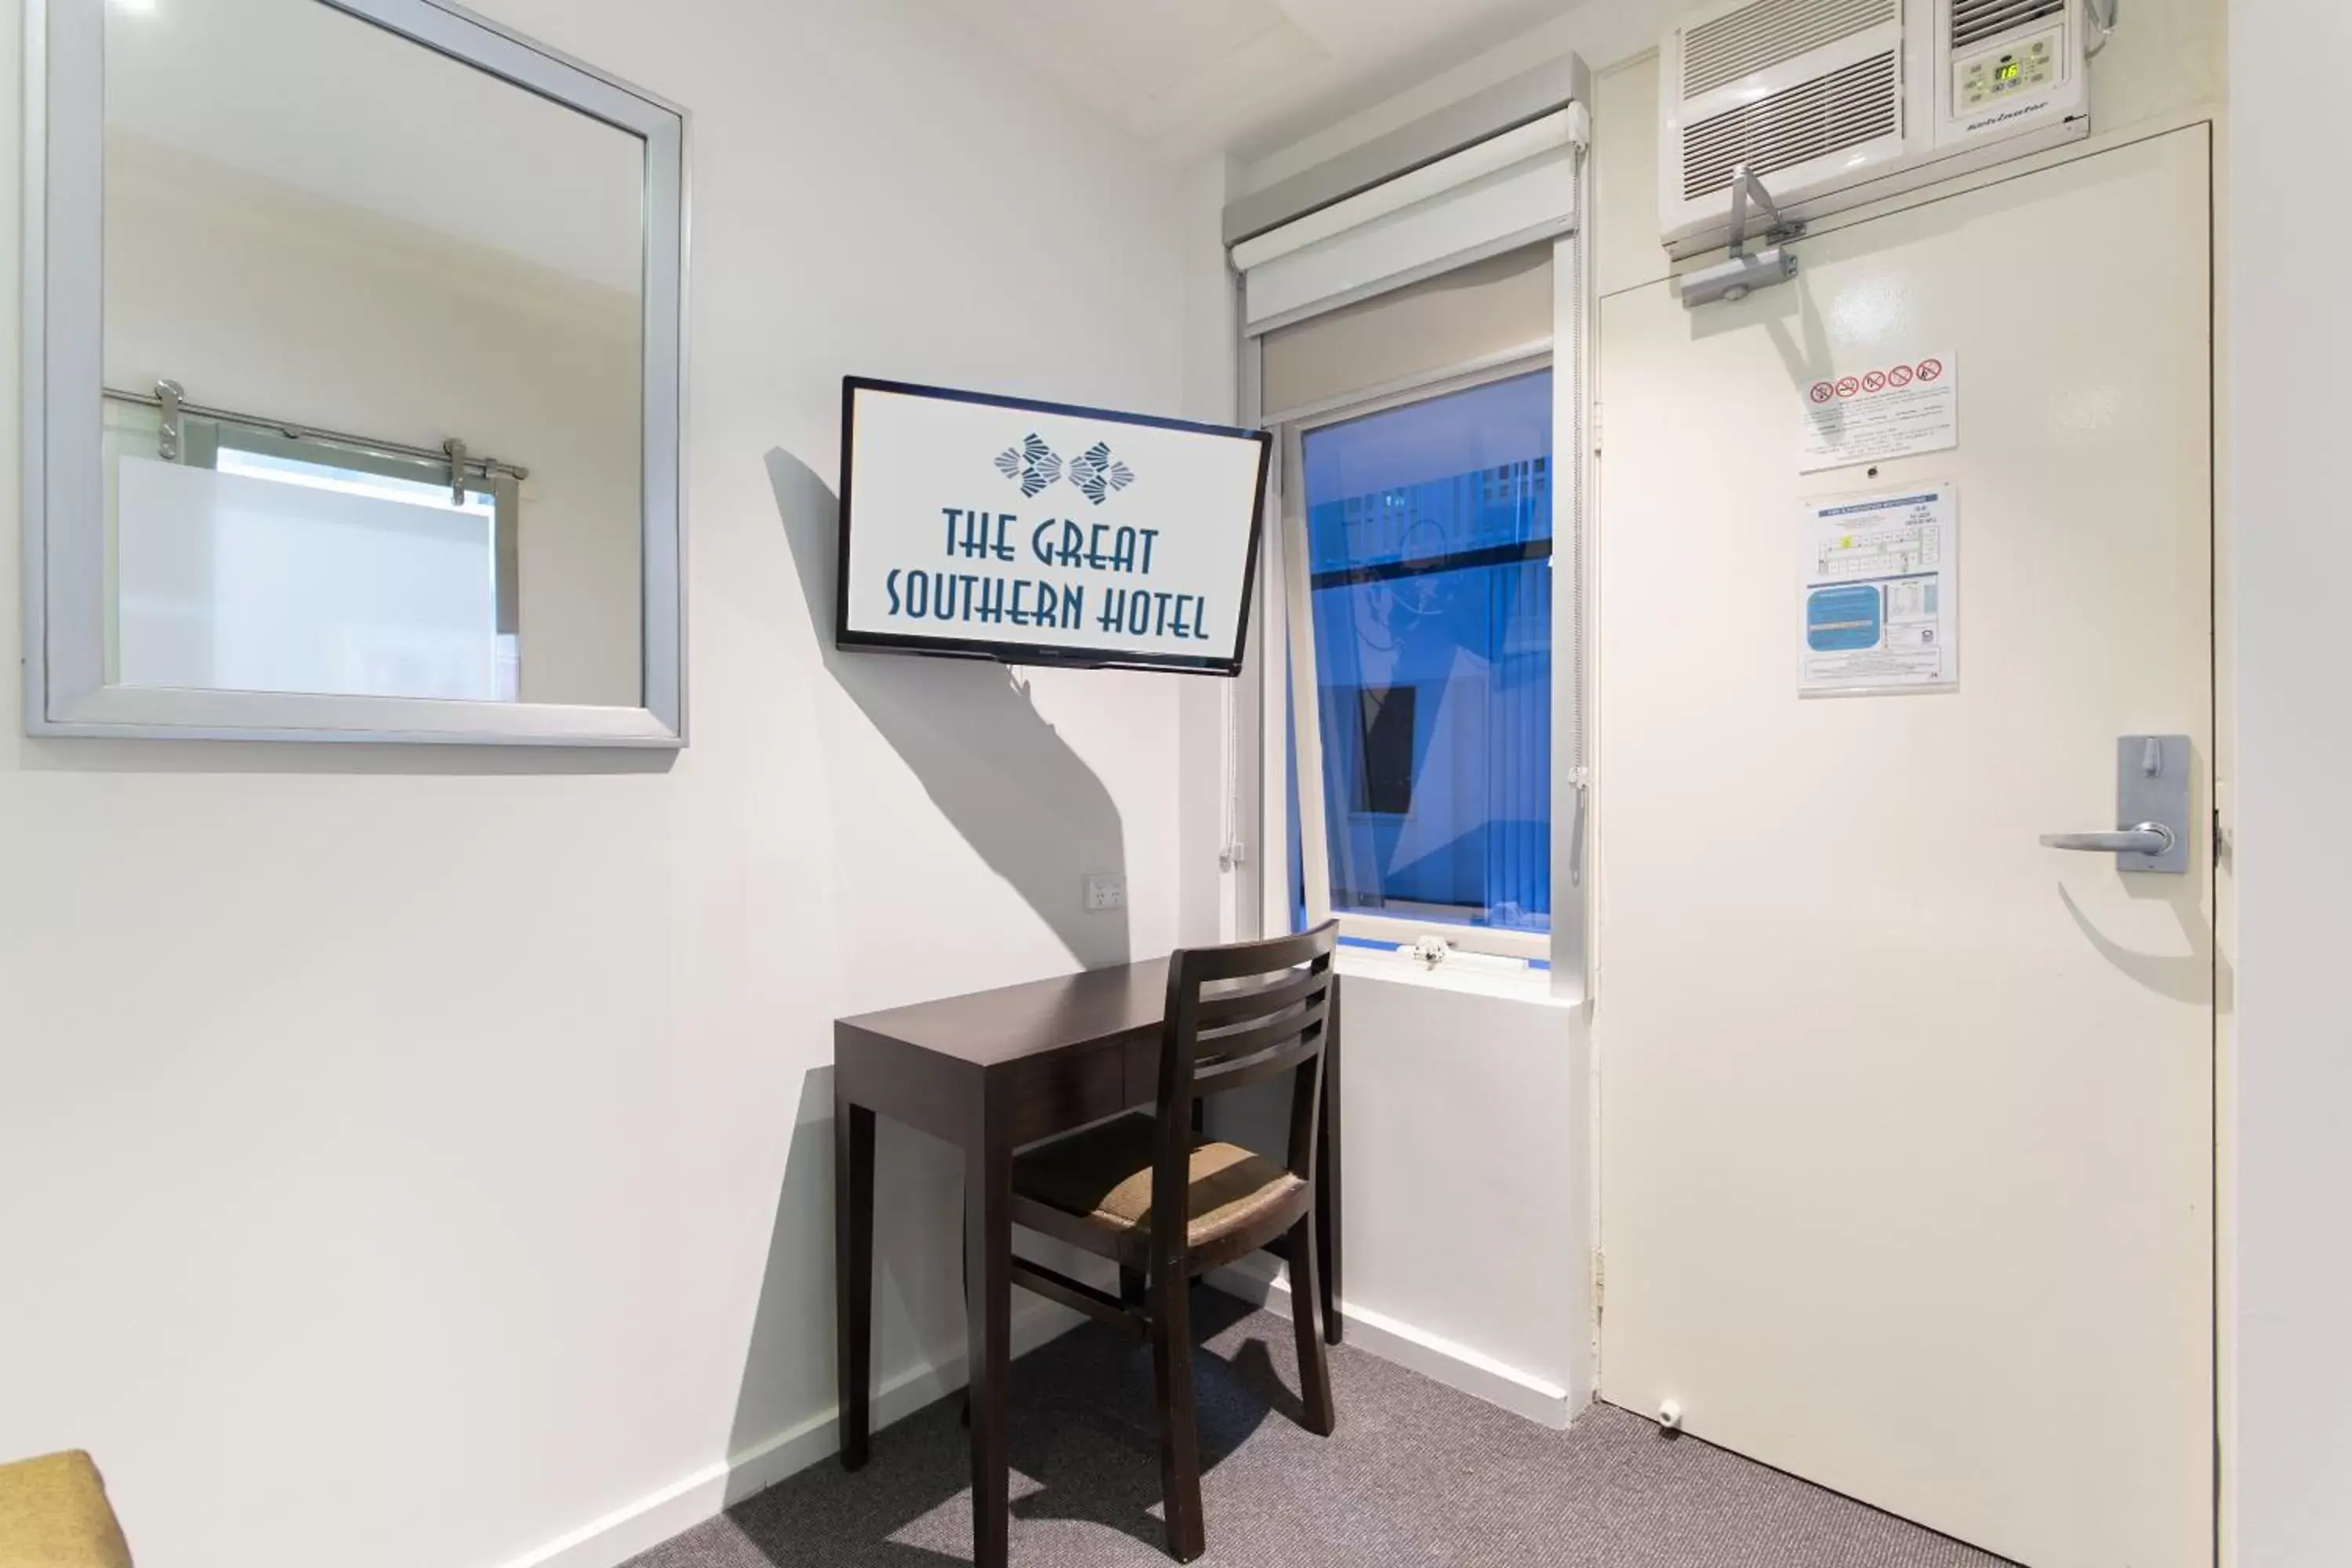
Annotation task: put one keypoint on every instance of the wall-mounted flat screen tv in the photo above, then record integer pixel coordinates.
(1001, 528)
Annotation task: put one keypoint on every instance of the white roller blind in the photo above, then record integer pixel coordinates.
(1487, 310)
(1502, 194)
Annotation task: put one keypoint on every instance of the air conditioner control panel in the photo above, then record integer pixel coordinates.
(2027, 65)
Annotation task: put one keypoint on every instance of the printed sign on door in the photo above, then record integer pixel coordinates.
(1878, 592)
(1894, 409)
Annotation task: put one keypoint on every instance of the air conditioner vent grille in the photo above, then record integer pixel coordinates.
(1770, 33)
(1974, 21)
(1844, 109)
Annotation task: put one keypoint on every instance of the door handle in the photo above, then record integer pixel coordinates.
(2153, 830)
(2147, 839)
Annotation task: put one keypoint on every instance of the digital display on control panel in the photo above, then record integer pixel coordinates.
(2016, 69)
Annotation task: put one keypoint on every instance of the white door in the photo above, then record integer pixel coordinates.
(1906, 1158)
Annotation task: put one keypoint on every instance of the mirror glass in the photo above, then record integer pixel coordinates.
(374, 339)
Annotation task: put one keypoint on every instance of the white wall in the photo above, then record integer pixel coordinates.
(1467, 1242)
(417, 1156)
(2288, 317)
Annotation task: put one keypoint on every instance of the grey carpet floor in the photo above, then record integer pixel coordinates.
(1416, 1474)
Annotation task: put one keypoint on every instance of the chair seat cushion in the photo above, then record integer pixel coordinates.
(1104, 1176)
(53, 1514)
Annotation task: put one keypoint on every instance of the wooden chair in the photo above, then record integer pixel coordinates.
(1167, 1204)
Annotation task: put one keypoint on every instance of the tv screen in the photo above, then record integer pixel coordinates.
(1039, 533)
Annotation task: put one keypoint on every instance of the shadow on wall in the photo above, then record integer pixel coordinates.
(971, 731)
(786, 1402)
(1043, 821)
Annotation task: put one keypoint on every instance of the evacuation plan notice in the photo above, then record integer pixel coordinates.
(1877, 584)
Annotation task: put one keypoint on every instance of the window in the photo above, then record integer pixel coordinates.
(1424, 527)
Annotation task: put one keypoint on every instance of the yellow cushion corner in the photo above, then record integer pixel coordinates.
(53, 1514)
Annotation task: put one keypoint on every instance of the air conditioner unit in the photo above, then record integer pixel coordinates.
(1832, 103)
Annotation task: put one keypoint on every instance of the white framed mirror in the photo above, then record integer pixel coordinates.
(353, 349)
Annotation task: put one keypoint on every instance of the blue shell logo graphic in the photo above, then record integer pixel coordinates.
(1032, 465)
(1098, 475)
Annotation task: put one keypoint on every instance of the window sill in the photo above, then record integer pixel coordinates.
(1462, 974)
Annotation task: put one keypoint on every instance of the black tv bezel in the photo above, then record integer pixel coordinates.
(1038, 654)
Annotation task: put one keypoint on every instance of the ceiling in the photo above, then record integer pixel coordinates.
(1190, 77)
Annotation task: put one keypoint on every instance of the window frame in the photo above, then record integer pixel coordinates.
(1305, 797)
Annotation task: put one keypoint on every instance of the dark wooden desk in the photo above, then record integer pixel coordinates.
(991, 1072)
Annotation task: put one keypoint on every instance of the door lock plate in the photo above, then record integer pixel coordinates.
(2152, 780)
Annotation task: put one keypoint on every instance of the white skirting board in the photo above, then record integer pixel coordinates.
(1258, 1280)
(649, 1520)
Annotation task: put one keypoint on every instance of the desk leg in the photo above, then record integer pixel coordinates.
(1328, 1182)
(852, 1272)
(988, 1311)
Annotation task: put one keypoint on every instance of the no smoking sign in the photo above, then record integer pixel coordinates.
(1893, 378)
(1896, 408)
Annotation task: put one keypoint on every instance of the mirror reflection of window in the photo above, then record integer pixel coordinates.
(398, 302)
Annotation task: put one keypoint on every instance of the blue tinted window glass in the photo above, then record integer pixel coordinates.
(1429, 540)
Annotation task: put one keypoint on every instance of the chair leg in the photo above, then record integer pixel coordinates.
(1306, 1317)
(1180, 1437)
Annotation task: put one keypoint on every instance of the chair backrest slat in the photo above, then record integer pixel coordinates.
(1221, 1077)
(1213, 1052)
(1221, 1035)
(1220, 1007)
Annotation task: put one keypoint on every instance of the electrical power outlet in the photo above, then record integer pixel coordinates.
(1104, 894)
